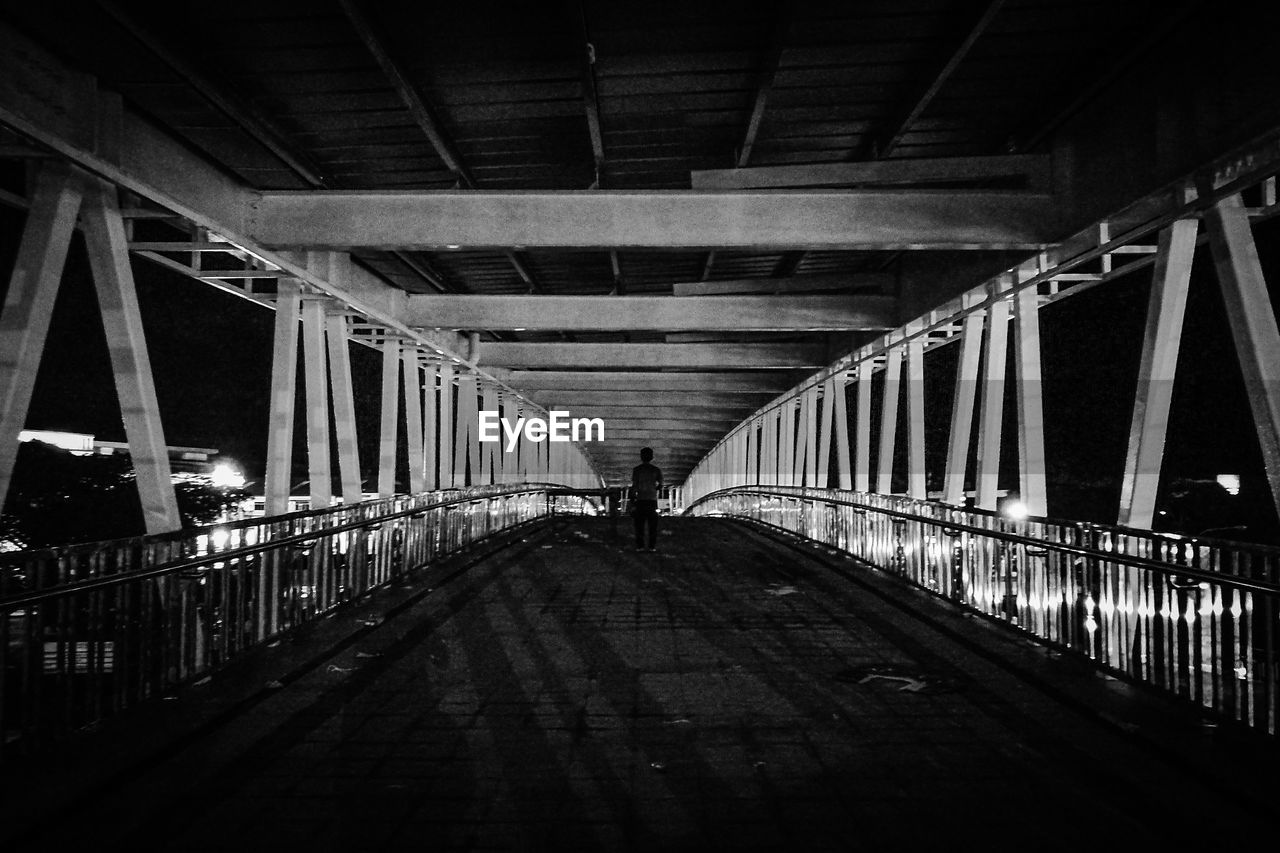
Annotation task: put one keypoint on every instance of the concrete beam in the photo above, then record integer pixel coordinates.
(661, 219)
(46, 100)
(561, 380)
(658, 426)
(696, 356)
(877, 282)
(622, 413)
(705, 435)
(1036, 169)
(691, 399)
(653, 313)
(669, 447)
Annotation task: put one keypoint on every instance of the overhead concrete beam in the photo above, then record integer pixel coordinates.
(622, 413)
(658, 219)
(1035, 169)
(693, 356)
(751, 313)
(43, 98)
(692, 399)
(658, 425)
(667, 450)
(706, 435)
(877, 282)
(562, 380)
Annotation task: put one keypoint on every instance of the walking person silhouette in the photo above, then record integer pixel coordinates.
(646, 482)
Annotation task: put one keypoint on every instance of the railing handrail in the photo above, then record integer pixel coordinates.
(53, 551)
(1107, 556)
(186, 563)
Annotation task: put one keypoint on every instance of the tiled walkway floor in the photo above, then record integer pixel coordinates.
(570, 694)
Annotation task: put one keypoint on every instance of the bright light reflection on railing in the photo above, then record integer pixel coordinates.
(92, 629)
(1175, 612)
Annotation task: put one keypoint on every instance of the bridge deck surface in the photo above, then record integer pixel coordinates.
(566, 693)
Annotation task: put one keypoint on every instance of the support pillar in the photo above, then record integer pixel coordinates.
(917, 479)
(840, 424)
(962, 406)
(811, 436)
(28, 304)
(465, 460)
(108, 248)
(1166, 308)
(316, 375)
(787, 451)
(1030, 386)
(1253, 325)
(413, 427)
(862, 431)
(390, 411)
(488, 467)
(344, 410)
(991, 416)
(284, 395)
(446, 429)
(888, 420)
(430, 418)
(769, 450)
(822, 470)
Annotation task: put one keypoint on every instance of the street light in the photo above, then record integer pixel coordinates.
(225, 476)
(1015, 510)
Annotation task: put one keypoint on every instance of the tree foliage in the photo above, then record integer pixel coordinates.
(57, 498)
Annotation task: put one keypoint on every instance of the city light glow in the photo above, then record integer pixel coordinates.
(226, 476)
(1015, 510)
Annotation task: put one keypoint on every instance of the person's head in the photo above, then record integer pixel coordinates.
(646, 453)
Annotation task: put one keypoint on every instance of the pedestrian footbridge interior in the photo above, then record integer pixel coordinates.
(912, 302)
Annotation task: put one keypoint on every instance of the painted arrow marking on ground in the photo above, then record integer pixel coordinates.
(909, 685)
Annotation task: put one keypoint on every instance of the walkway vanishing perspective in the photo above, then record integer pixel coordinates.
(553, 690)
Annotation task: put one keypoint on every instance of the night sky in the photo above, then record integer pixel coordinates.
(211, 357)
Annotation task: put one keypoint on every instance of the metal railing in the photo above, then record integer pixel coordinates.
(89, 630)
(1196, 618)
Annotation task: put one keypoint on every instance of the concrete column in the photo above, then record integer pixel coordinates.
(917, 481)
(465, 435)
(787, 448)
(344, 409)
(991, 416)
(28, 303)
(446, 428)
(862, 431)
(962, 406)
(824, 433)
(284, 396)
(317, 384)
(1253, 324)
(108, 248)
(487, 450)
(888, 420)
(1030, 387)
(413, 428)
(1166, 308)
(430, 419)
(840, 424)
(768, 448)
(389, 425)
(811, 436)
(776, 469)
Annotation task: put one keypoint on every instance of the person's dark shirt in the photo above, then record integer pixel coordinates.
(646, 480)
